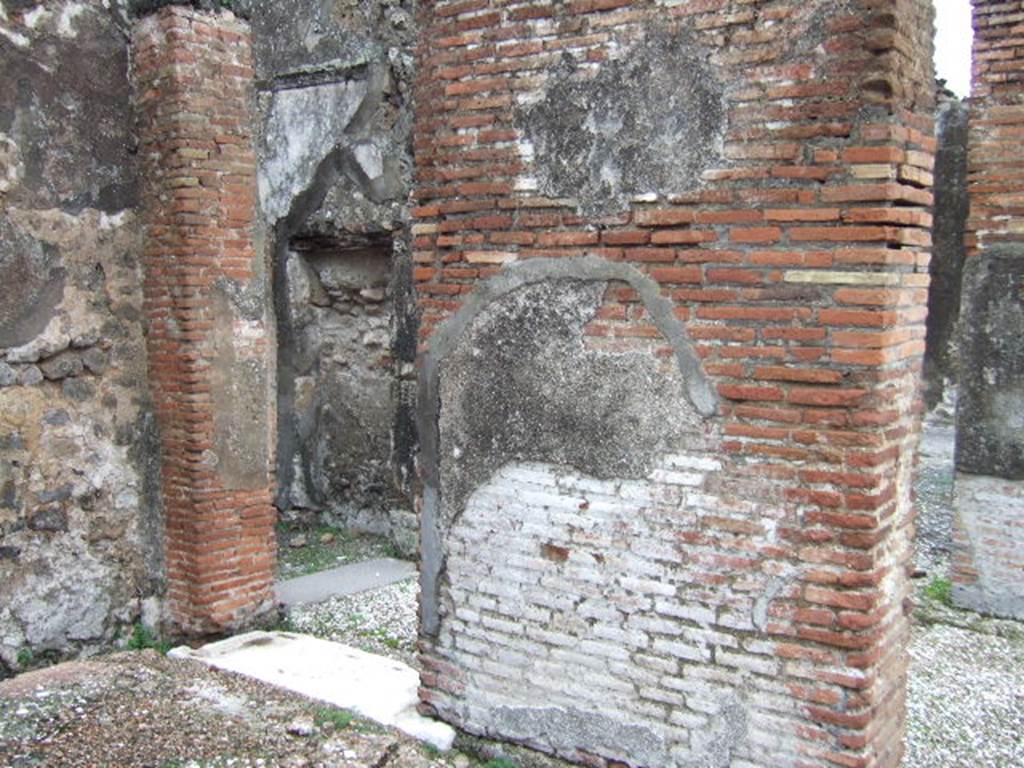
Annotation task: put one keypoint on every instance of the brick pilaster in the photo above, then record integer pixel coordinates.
(209, 340)
(997, 114)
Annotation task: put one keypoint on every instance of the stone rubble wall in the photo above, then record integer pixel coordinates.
(80, 529)
(334, 84)
(672, 265)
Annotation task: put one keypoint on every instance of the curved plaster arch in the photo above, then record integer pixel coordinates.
(590, 268)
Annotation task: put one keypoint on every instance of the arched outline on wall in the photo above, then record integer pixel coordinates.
(699, 390)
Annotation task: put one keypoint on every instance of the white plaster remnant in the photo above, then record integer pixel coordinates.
(16, 38)
(11, 166)
(303, 126)
(66, 22)
(32, 17)
(370, 160)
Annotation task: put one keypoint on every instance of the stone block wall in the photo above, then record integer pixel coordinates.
(80, 533)
(671, 260)
(988, 565)
(210, 334)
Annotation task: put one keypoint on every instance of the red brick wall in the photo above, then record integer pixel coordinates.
(208, 337)
(995, 142)
(799, 265)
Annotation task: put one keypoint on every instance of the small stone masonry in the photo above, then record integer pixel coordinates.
(210, 338)
(672, 262)
(988, 567)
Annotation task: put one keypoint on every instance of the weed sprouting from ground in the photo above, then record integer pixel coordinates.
(142, 639)
(940, 590)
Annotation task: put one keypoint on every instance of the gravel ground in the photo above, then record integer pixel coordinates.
(966, 700)
(966, 682)
(381, 621)
(933, 495)
(140, 709)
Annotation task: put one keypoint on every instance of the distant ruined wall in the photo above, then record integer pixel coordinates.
(80, 544)
(672, 261)
(988, 525)
(334, 85)
(948, 251)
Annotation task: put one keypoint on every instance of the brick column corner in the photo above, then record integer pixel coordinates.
(718, 197)
(210, 332)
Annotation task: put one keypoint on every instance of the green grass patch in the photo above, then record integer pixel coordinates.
(316, 555)
(381, 635)
(338, 719)
(501, 762)
(430, 750)
(940, 590)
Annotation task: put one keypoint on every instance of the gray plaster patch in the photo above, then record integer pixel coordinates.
(726, 731)
(990, 431)
(34, 267)
(521, 385)
(241, 389)
(67, 114)
(649, 121)
(310, 37)
(570, 728)
(508, 378)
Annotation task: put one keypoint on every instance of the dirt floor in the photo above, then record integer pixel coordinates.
(141, 709)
